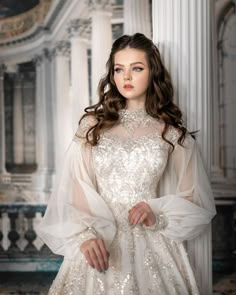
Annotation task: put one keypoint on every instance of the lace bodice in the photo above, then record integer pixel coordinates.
(130, 159)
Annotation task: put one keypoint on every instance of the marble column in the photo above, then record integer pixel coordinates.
(137, 17)
(18, 122)
(2, 123)
(43, 178)
(101, 40)
(78, 31)
(63, 127)
(182, 30)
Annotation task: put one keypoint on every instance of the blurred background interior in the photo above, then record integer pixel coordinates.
(52, 55)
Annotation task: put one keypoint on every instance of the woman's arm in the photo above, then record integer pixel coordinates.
(75, 206)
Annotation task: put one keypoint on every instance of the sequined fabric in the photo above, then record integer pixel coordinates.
(128, 163)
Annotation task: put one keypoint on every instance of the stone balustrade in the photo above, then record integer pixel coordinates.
(20, 248)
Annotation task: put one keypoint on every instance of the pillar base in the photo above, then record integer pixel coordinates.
(42, 181)
(5, 178)
(217, 174)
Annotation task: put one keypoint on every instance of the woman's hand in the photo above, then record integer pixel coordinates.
(96, 254)
(142, 213)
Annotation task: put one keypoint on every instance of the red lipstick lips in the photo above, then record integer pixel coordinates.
(128, 86)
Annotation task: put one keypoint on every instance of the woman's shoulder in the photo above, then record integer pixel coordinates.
(87, 121)
(85, 124)
(173, 135)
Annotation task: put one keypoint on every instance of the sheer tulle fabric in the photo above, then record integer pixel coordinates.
(182, 193)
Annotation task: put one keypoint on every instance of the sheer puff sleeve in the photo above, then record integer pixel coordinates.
(76, 212)
(184, 193)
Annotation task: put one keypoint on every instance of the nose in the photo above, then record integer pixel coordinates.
(127, 75)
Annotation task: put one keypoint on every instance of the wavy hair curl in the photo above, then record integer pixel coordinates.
(159, 98)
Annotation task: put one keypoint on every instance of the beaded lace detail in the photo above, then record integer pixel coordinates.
(131, 120)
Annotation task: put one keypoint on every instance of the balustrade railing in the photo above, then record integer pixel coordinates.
(20, 247)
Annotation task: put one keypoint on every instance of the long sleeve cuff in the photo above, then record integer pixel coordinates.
(87, 234)
(160, 224)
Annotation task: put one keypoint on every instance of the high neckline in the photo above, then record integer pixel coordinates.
(132, 114)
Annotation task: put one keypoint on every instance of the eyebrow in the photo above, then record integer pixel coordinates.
(137, 62)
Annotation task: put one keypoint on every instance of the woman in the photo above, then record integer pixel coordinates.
(132, 189)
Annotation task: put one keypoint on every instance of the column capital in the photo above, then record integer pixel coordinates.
(101, 5)
(79, 28)
(38, 60)
(62, 48)
(45, 54)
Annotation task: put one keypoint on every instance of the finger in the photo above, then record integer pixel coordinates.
(104, 252)
(139, 216)
(143, 217)
(140, 205)
(99, 257)
(132, 216)
(94, 259)
(133, 208)
(135, 217)
(89, 259)
(133, 211)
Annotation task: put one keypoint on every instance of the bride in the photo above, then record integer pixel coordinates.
(132, 190)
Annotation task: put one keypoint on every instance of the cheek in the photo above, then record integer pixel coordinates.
(142, 80)
(117, 81)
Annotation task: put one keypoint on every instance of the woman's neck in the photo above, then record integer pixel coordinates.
(134, 105)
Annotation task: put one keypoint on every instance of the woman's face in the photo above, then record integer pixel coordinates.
(131, 74)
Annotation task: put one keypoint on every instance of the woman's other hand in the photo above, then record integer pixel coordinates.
(142, 213)
(96, 254)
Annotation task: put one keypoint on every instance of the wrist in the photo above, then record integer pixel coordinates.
(160, 224)
(88, 234)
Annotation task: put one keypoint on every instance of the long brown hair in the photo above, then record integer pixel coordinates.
(159, 98)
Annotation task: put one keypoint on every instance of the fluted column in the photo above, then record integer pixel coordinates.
(63, 126)
(137, 17)
(18, 124)
(78, 31)
(2, 123)
(101, 40)
(182, 30)
(42, 179)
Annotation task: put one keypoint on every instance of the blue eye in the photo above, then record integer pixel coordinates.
(137, 69)
(117, 70)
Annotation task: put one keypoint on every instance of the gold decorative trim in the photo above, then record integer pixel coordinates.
(16, 25)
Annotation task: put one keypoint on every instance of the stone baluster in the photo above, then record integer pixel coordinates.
(13, 235)
(30, 234)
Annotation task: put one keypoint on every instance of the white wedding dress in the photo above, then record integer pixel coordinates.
(97, 187)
